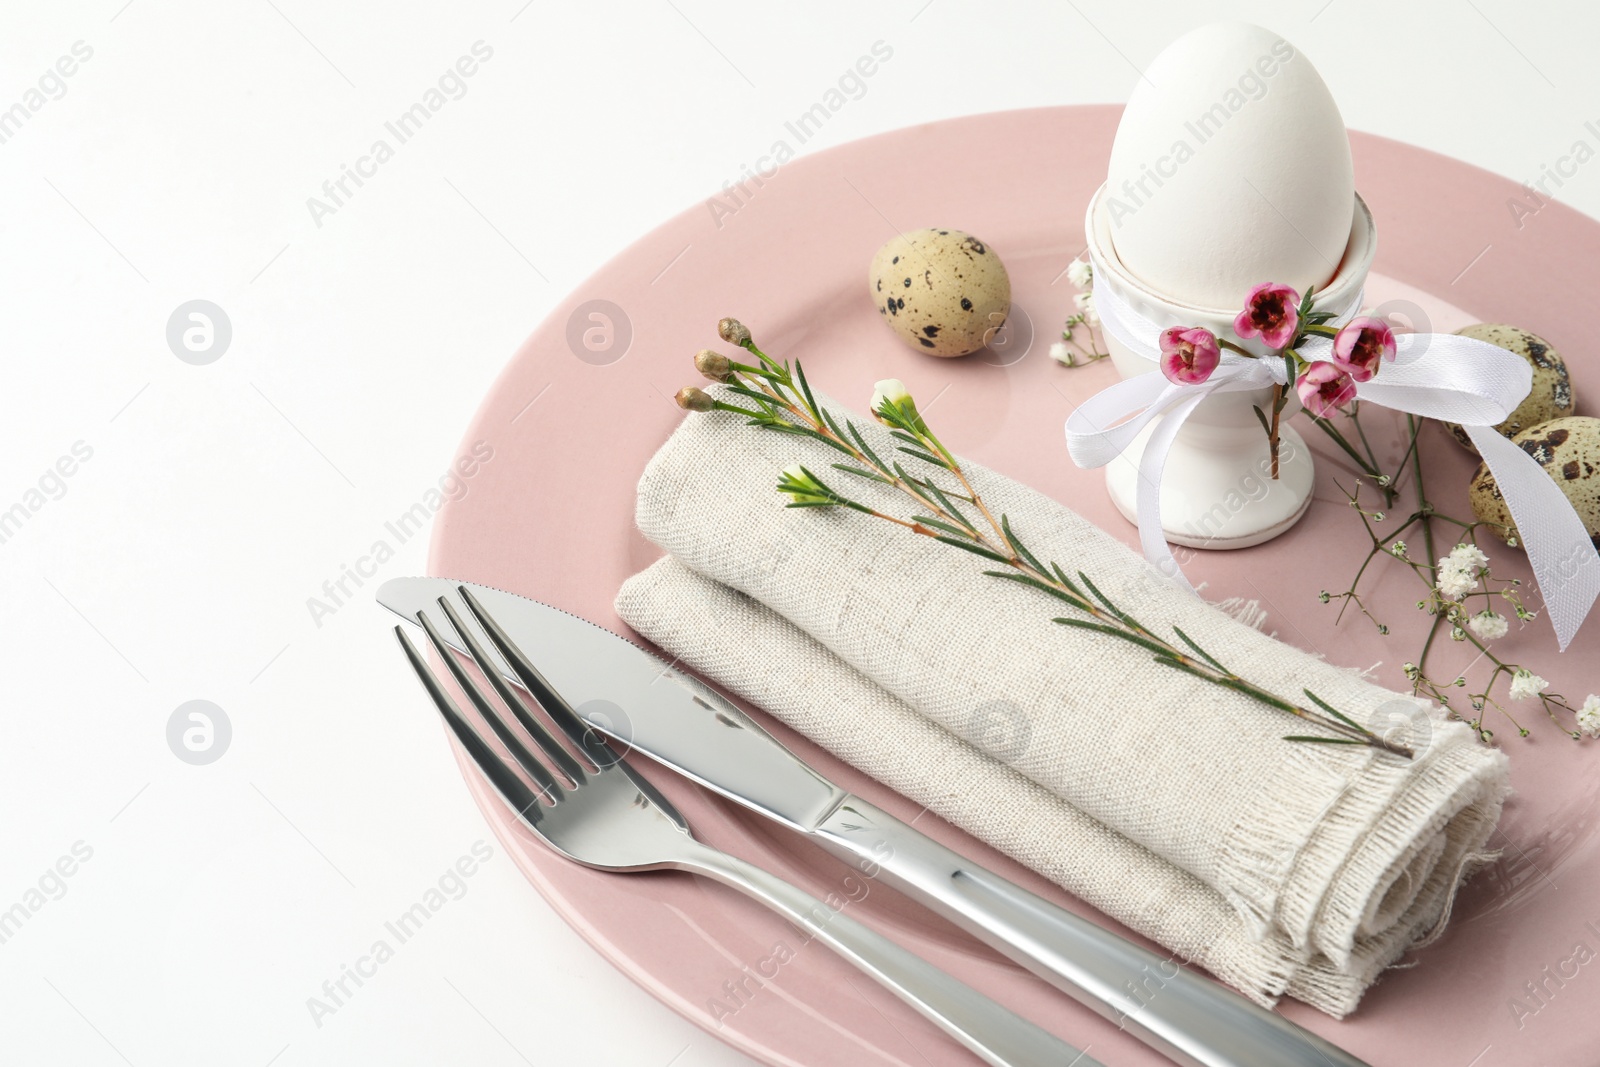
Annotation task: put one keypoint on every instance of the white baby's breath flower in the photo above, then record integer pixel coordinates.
(1525, 685)
(1470, 557)
(1086, 308)
(1488, 626)
(1589, 715)
(1453, 579)
(1080, 273)
(1061, 353)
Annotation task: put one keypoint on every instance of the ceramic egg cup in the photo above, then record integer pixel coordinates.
(1216, 489)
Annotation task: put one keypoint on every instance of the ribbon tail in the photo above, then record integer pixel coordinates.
(1152, 538)
(1096, 430)
(1565, 562)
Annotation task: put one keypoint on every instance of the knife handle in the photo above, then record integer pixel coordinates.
(1190, 1019)
(994, 1033)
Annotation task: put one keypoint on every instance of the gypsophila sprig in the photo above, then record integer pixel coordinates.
(1589, 716)
(780, 399)
(1462, 596)
(1080, 334)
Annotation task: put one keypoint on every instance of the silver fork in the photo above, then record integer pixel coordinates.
(599, 813)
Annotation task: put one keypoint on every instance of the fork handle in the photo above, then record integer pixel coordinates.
(1191, 1020)
(996, 1034)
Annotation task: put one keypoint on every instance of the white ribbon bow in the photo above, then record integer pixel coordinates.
(1437, 376)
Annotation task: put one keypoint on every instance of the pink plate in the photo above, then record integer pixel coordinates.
(586, 400)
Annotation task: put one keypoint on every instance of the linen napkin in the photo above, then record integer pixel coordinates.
(1169, 803)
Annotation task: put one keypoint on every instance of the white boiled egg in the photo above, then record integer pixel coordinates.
(1231, 167)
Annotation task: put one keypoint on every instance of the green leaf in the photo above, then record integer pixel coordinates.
(1043, 587)
(1166, 659)
(977, 550)
(859, 473)
(1100, 627)
(827, 417)
(916, 487)
(925, 457)
(1335, 712)
(1202, 653)
(1018, 547)
(1109, 606)
(891, 417)
(1261, 416)
(805, 387)
(1322, 740)
(928, 520)
(779, 426)
(1061, 576)
(831, 443)
(866, 449)
(950, 508)
(806, 431)
(754, 394)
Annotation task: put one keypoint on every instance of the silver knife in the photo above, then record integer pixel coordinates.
(654, 708)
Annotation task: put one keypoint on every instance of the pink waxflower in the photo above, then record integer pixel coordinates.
(1323, 387)
(1362, 345)
(1272, 313)
(1189, 354)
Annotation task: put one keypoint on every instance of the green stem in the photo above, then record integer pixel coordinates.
(1332, 431)
(1388, 489)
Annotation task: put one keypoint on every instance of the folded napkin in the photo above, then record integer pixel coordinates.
(1169, 803)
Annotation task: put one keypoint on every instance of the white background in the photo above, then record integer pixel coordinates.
(177, 563)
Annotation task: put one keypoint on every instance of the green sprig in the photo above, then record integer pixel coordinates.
(789, 406)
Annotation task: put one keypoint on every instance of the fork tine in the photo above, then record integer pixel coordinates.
(513, 743)
(548, 744)
(511, 788)
(589, 741)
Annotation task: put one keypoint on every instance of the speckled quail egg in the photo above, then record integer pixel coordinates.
(1551, 395)
(1569, 451)
(943, 292)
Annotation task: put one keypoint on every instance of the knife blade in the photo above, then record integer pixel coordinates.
(663, 712)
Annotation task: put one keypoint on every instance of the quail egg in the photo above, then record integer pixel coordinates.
(942, 292)
(1569, 451)
(1551, 395)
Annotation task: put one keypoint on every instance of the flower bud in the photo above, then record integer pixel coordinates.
(891, 393)
(734, 332)
(891, 389)
(691, 399)
(803, 489)
(714, 365)
(1189, 355)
